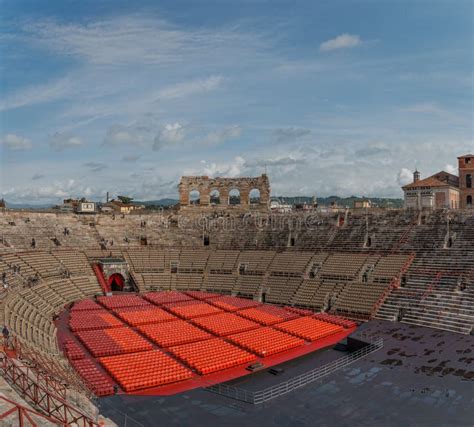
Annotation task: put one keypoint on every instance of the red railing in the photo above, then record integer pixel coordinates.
(22, 416)
(40, 396)
(435, 281)
(100, 277)
(49, 369)
(404, 238)
(393, 285)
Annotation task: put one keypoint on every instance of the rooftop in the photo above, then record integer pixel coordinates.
(434, 181)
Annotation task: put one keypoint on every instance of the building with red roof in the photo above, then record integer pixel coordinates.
(438, 191)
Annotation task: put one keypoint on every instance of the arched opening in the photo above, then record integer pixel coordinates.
(449, 243)
(469, 201)
(234, 197)
(469, 181)
(215, 197)
(194, 197)
(254, 196)
(116, 282)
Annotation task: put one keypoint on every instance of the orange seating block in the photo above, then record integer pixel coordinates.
(265, 341)
(309, 328)
(225, 324)
(300, 311)
(86, 305)
(212, 355)
(106, 342)
(73, 350)
(93, 319)
(144, 370)
(229, 303)
(166, 297)
(116, 301)
(191, 309)
(201, 295)
(330, 318)
(143, 315)
(173, 333)
(97, 381)
(267, 314)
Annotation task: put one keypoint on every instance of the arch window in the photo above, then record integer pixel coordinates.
(254, 196)
(194, 197)
(234, 197)
(469, 201)
(215, 197)
(469, 181)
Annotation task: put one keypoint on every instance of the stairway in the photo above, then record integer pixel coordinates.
(100, 278)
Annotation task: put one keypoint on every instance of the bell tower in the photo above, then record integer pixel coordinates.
(466, 181)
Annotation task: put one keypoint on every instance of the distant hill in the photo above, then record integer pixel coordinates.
(291, 200)
(160, 202)
(342, 201)
(28, 205)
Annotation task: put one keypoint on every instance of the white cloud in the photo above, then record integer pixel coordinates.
(131, 158)
(157, 135)
(15, 142)
(189, 88)
(136, 39)
(343, 41)
(404, 176)
(59, 142)
(423, 107)
(451, 169)
(170, 134)
(36, 95)
(223, 135)
(290, 134)
(37, 176)
(228, 169)
(136, 134)
(95, 166)
(48, 193)
(279, 161)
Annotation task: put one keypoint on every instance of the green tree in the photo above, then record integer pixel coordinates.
(125, 199)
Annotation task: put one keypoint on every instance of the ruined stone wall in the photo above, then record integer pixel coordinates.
(224, 188)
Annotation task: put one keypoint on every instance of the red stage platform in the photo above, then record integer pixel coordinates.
(162, 343)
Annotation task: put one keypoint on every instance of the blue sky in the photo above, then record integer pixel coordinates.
(330, 97)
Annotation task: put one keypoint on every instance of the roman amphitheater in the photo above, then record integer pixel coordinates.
(206, 316)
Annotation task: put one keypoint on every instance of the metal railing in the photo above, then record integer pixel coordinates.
(16, 414)
(269, 393)
(40, 396)
(120, 418)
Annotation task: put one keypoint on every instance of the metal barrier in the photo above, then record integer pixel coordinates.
(40, 396)
(21, 416)
(261, 396)
(120, 418)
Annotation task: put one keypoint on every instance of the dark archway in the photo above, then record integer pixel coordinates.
(254, 196)
(116, 282)
(215, 197)
(194, 197)
(469, 201)
(234, 197)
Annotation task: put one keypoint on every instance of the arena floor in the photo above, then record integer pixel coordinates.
(422, 377)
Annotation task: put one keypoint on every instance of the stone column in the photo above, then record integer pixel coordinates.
(183, 194)
(205, 196)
